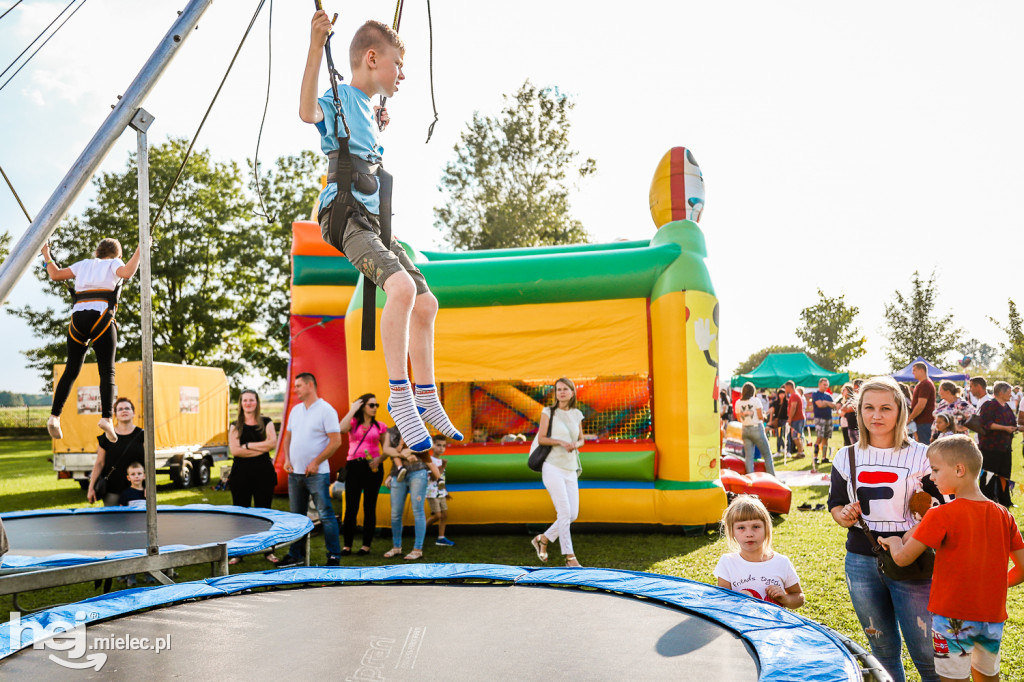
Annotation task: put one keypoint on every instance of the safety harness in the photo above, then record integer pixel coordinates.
(347, 171)
(108, 296)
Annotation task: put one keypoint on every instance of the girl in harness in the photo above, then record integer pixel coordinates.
(98, 283)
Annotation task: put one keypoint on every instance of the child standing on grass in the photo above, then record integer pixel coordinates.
(752, 567)
(437, 492)
(135, 494)
(973, 538)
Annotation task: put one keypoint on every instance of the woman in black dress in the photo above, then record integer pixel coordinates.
(112, 459)
(253, 478)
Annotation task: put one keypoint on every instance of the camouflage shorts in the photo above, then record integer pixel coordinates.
(361, 244)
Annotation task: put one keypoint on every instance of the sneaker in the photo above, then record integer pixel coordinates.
(288, 560)
(333, 561)
(444, 542)
(53, 427)
(401, 474)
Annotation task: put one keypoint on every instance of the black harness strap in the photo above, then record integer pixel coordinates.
(368, 341)
(109, 296)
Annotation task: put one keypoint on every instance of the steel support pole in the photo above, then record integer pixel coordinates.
(140, 123)
(22, 254)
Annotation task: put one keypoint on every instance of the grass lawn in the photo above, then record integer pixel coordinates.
(811, 539)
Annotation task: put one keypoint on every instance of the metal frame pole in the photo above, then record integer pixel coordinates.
(23, 253)
(140, 123)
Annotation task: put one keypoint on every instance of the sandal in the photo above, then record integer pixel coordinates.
(393, 552)
(363, 551)
(414, 555)
(541, 546)
(272, 558)
(571, 562)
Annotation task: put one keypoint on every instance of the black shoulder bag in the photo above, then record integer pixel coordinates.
(922, 567)
(100, 486)
(541, 452)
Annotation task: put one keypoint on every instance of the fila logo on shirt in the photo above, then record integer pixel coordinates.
(882, 492)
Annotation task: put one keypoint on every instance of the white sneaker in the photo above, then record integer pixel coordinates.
(53, 427)
(108, 429)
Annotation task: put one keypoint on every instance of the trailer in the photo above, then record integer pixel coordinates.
(191, 415)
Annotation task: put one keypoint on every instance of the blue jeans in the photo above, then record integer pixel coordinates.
(300, 488)
(882, 605)
(415, 484)
(754, 436)
(924, 433)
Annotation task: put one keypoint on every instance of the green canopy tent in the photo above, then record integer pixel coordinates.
(778, 368)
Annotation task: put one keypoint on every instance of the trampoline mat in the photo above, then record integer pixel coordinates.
(102, 534)
(410, 632)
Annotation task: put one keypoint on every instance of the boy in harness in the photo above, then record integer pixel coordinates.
(98, 283)
(355, 216)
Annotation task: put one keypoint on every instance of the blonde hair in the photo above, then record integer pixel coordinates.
(958, 449)
(373, 35)
(885, 385)
(108, 248)
(746, 508)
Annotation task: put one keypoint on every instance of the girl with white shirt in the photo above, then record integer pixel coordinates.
(749, 410)
(92, 321)
(561, 468)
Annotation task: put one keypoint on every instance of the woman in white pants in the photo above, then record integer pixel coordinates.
(561, 469)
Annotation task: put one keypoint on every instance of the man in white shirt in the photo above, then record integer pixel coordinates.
(312, 436)
(979, 392)
(1015, 399)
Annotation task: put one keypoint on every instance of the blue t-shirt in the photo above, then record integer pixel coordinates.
(364, 143)
(821, 412)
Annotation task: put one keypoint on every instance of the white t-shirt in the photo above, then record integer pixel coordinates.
(436, 488)
(752, 577)
(309, 428)
(978, 402)
(893, 476)
(747, 411)
(95, 273)
(565, 427)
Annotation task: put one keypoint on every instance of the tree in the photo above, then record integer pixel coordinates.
(8, 399)
(5, 245)
(1013, 348)
(510, 181)
(756, 358)
(828, 332)
(982, 355)
(914, 329)
(206, 289)
(290, 189)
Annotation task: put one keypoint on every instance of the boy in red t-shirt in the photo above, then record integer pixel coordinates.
(972, 537)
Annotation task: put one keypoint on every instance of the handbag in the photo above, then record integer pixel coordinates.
(923, 565)
(541, 452)
(974, 424)
(100, 486)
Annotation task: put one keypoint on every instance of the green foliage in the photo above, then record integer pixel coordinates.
(914, 328)
(510, 182)
(5, 245)
(210, 278)
(1013, 347)
(8, 399)
(828, 332)
(756, 358)
(982, 355)
(290, 189)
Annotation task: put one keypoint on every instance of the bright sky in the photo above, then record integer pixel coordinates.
(843, 146)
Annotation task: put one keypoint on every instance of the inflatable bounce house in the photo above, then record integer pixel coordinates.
(633, 323)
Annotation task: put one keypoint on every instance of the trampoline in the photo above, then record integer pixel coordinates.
(66, 537)
(430, 622)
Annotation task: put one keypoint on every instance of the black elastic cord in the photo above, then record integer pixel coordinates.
(266, 103)
(195, 137)
(44, 42)
(430, 32)
(15, 193)
(10, 8)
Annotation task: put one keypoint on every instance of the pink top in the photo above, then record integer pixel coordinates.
(370, 445)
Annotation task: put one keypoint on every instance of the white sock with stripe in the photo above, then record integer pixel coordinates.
(433, 412)
(402, 408)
